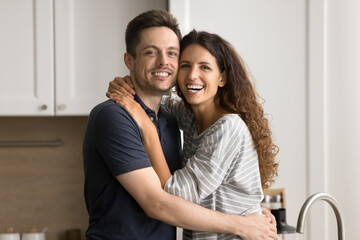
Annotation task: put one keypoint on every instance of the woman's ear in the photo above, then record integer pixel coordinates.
(223, 79)
(129, 61)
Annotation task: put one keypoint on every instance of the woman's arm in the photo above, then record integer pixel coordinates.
(150, 138)
(121, 90)
(122, 86)
(143, 185)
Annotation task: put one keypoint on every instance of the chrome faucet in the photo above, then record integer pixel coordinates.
(333, 203)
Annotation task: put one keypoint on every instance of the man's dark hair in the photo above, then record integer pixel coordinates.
(152, 18)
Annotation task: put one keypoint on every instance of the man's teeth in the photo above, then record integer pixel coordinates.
(161, 74)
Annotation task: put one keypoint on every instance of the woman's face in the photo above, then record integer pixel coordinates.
(199, 76)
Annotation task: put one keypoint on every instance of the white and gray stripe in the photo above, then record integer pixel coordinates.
(220, 170)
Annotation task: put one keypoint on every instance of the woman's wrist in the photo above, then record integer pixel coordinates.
(235, 224)
(147, 127)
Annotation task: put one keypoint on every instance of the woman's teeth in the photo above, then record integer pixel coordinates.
(194, 87)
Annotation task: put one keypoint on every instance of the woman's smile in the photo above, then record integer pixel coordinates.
(199, 76)
(194, 88)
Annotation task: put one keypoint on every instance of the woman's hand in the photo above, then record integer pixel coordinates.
(121, 91)
(136, 111)
(120, 87)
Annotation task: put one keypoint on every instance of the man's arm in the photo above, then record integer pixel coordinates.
(144, 186)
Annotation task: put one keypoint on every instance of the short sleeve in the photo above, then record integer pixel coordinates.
(118, 140)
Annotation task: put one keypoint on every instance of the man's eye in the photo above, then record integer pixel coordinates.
(173, 54)
(150, 52)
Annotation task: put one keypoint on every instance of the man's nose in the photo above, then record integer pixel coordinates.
(162, 59)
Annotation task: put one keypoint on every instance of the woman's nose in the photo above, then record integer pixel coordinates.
(193, 73)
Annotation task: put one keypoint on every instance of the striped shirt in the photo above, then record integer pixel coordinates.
(220, 168)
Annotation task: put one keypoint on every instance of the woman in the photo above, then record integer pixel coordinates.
(229, 156)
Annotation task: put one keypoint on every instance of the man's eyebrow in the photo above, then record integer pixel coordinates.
(174, 48)
(150, 46)
(155, 47)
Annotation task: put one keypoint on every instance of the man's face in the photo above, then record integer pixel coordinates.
(156, 63)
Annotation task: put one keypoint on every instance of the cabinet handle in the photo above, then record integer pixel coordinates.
(61, 107)
(43, 107)
(54, 143)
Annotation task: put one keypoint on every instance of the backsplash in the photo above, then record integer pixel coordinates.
(42, 186)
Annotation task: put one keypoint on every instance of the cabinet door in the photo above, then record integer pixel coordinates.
(26, 57)
(89, 49)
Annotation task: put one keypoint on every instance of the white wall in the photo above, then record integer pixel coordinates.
(342, 109)
(333, 115)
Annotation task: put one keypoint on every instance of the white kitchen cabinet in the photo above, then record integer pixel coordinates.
(57, 56)
(26, 57)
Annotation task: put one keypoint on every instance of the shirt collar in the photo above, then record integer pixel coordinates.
(149, 111)
(142, 104)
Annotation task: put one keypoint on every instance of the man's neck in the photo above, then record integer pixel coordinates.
(151, 101)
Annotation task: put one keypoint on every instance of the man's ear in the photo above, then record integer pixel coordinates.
(129, 61)
(223, 79)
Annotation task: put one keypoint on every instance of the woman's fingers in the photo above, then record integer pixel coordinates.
(124, 83)
(121, 86)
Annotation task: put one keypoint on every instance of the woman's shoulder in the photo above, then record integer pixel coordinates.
(229, 126)
(230, 120)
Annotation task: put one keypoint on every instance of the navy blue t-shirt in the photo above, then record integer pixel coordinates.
(113, 146)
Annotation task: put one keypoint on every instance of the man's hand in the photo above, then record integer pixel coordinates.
(268, 214)
(258, 227)
(120, 87)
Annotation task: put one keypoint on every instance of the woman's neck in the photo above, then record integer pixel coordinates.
(205, 116)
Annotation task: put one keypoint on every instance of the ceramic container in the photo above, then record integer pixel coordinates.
(9, 236)
(33, 236)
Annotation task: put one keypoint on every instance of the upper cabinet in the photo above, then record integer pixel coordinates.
(26, 58)
(57, 56)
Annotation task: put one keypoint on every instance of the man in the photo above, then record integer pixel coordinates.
(123, 194)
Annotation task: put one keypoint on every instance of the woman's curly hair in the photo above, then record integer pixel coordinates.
(239, 96)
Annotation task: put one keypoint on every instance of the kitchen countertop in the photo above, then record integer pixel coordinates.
(294, 236)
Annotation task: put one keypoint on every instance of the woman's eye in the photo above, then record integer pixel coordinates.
(184, 66)
(205, 67)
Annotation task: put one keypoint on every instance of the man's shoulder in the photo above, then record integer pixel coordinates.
(109, 112)
(106, 105)
(107, 108)
(111, 120)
